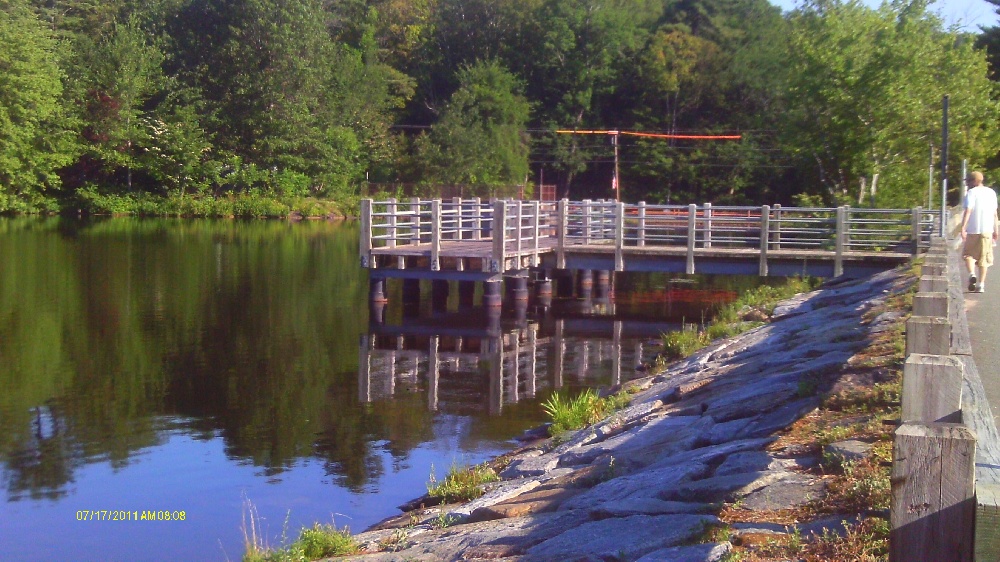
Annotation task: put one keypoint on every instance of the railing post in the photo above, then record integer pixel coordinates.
(497, 262)
(619, 236)
(520, 227)
(391, 210)
(536, 212)
(456, 205)
(641, 234)
(838, 259)
(435, 235)
(477, 219)
(586, 221)
(692, 232)
(777, 226)
(562, 208)
(415, 229)
(707, 225)
(366, 233)
(915, 229)
(765, 235)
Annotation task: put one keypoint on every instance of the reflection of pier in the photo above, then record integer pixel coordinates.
(516, 361)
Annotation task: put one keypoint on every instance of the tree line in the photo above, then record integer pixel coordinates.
(167, 101)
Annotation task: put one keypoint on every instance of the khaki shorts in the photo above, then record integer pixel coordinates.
(980, 248)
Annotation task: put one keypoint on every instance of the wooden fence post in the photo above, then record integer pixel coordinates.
(562, 208)
(366, 233)
(928, 335)
(692, 232)
(839, 242)
(707, 225)
(498, 261)
(930, 304)
(436, 235)
(933, 493)
(619, 236)
(932, 389)
(933, 284)
(765, 235)
(641, 235)
(915, 228)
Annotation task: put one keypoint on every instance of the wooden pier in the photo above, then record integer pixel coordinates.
(472, 240)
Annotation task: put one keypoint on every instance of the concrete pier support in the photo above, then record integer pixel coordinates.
(543, 292)
(492, 294)
(376, 290)
(519, 287)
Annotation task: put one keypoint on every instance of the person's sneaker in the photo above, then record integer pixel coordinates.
(973, 285)
(980, 288)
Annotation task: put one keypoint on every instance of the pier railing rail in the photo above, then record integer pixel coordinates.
(523, 230)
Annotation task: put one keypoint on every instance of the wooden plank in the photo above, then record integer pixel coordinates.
(932, 389)
(933, 493)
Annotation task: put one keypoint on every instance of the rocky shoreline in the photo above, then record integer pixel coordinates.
(650, 482)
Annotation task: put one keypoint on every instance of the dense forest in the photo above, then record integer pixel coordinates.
(276, 106)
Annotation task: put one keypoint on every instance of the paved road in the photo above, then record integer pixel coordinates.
(983, 312)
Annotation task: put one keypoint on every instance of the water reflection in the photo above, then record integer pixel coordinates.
(167, 364)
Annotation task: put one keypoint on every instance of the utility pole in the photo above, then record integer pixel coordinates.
(944, 165)
(616, 185)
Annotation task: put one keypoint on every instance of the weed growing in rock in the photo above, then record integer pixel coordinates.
(462, 483)
(586, 408)
(319, 541)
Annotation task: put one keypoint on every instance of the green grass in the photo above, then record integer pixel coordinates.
(586, 408)
(729, 321)
(462, 483)
(319, 541)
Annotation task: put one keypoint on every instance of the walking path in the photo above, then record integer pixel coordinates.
(983, 312)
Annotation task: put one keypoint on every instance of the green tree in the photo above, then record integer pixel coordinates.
(480, 138)
(34, 139)
(123, 72)
(865, 96)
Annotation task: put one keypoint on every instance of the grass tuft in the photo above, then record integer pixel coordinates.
(462, 483)
(586, 408)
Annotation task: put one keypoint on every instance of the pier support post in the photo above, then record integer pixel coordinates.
(411, 297)
(519, 286)
(564, 283)
(543, 291)
(492, 294)
(376, 290)
(585, 284)
(603, 285)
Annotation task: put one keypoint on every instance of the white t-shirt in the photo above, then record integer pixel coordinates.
(981, 202)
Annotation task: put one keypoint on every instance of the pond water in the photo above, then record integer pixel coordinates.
(226, 375)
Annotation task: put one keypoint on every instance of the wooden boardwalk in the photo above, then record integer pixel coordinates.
(466, 239)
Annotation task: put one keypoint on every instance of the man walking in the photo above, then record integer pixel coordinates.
(980, 229)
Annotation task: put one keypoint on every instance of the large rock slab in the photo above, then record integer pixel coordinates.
(653, 438)
(738, 463)
(722, 488)
(647, 506)
(644, 484)
(710, 552)
(791, 491)
(604, 539)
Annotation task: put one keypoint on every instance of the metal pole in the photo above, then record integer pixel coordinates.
(618, 186)
(944, 166)
(965, 173)
(930, 181)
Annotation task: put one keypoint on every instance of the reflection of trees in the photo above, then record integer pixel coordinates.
(238, 326)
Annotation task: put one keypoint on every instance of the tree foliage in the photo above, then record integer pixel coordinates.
(293, 98)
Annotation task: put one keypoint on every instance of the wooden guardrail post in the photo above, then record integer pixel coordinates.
(477, 219)
(931, 304)
(915, 228)
(932, 389)
(536, 217)
(692, 220)
(586, 221)
(933, 495)
(707, 225)
(641, 232)
(436, 235)
(776, 237)
(619, 236)
(498, 260)
(928, 335)
(765, 236)
(933, 284)
(840, 241)
(366, 233)
(415, 228)
(562, 210)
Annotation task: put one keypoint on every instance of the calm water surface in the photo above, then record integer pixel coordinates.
(223, 370)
